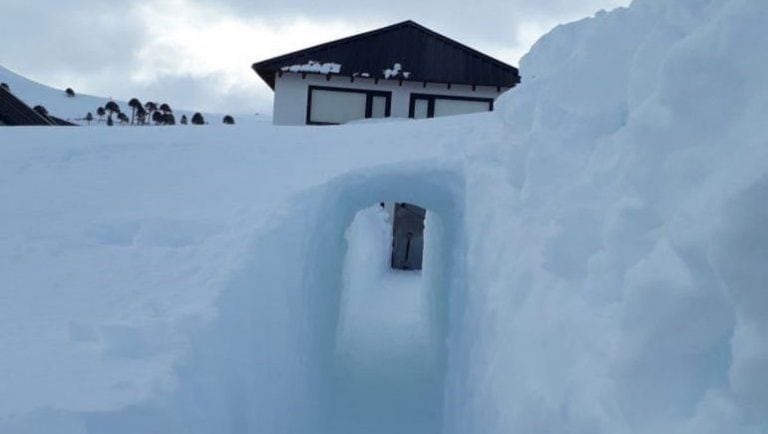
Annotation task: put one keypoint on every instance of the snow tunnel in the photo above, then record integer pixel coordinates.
(283, 352)
(382, 332)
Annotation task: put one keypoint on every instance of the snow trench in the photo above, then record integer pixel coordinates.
(268, 363)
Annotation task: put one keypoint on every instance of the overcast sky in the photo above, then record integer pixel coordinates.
(197, 54)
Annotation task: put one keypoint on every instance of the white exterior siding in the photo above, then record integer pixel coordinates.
(291, 92)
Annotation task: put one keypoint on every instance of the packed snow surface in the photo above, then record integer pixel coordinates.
(595, 259)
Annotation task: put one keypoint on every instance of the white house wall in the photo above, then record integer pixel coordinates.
(291, 92)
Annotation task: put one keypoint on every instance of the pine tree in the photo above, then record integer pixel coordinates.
(134, 104)
(42, 111)
(89, 118)
(70, 93)
(157, 118)
(197, 119)
(228, 120)
(111, 107)
(141, 115)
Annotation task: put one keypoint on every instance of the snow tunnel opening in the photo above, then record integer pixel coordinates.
(385, 312)
(383, 331)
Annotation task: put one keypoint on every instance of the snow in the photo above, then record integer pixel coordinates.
(75, 108)
(394, 71)
(595, 256)
(314, 66)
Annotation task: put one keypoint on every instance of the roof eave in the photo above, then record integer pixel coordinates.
(268, 75)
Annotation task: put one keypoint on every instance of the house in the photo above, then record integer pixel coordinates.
(404, 70)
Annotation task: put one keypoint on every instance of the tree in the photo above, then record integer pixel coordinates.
(101, 112)
(123, 118)
(112, 108)
(110, 122)
(184, 119)
(157, 118)
(5, 86)
(165, 108)
(150, 107)
(70, 93)
(141, 115)
(228, 120)
(197, 119)
(169, 119)
(134, 104)
(40, 110)
(89, 117)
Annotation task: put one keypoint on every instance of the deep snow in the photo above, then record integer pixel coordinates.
(595, 260)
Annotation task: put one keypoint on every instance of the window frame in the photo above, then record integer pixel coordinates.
(430, 98)
(369, 95)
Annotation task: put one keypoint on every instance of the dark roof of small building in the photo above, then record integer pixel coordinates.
(14, 112)
(425, 56)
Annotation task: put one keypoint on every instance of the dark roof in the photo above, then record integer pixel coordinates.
(426, 55)
(13, 111)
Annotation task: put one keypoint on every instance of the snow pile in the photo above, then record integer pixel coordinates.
(314, 66)
(595, 258)
(395, 71)
(618, 284)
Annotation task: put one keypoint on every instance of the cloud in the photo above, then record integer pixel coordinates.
(197, 53)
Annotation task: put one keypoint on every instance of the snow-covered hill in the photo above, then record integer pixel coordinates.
(595, 256)
(75, 108)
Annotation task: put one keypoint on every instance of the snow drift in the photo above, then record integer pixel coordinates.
(599, 252)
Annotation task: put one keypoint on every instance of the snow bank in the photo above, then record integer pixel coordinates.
(615, 282)
(598, 252)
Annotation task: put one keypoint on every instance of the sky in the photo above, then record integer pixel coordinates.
(196, 54)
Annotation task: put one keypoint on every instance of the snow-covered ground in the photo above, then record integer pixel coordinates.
(595, 259)
(75, 108)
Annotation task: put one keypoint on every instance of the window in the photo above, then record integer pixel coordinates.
(335, 105)
(430, 106)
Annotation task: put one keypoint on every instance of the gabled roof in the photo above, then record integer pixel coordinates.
(13, 111)
(423, 54)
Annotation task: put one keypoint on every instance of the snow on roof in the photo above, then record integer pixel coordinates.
(314, 66)
(429, 56)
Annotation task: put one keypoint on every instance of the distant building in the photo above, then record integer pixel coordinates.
(404, 70)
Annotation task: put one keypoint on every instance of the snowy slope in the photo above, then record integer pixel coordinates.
(596, 260)
(74, 109)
